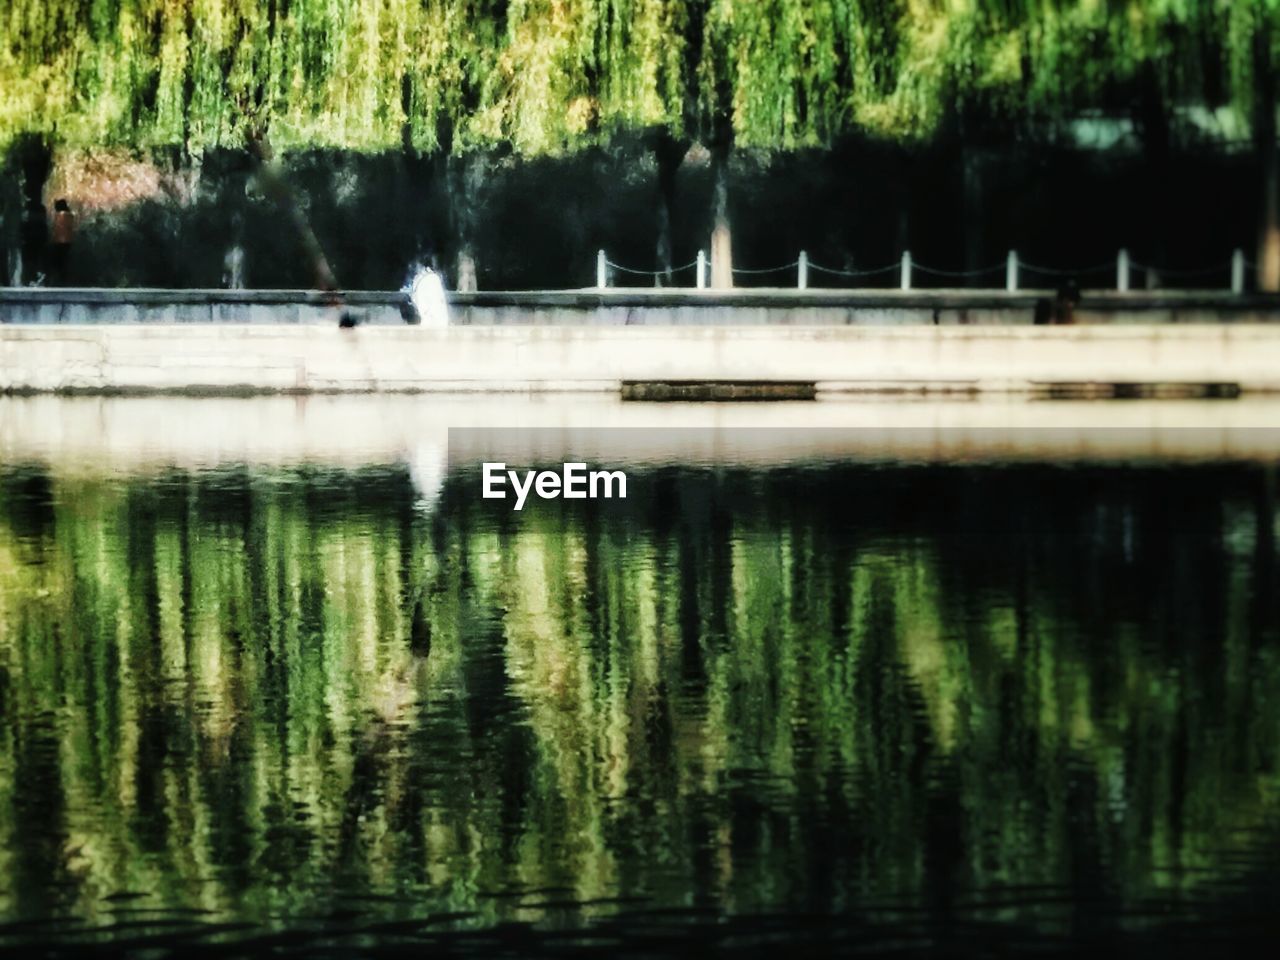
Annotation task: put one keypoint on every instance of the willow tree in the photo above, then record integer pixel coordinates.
(786, 75)
(1252, 50)
(461, 78)
(1161, 63)
(469, 82)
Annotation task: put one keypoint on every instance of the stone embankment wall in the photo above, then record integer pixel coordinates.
(265, 358)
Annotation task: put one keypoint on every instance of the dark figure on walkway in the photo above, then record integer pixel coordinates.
(1061, 309)
(1064, 304)
(64, 229)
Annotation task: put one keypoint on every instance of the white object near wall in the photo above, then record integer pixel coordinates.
(427, 293)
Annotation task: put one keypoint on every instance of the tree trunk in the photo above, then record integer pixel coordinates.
(665, 275)
(233, 267)
(901, 198)
(669, 153)
(1264, 132)
(466, 176)
(35, 159)
(721, 234)
(11, 208)
(1269, 228)
(1157, 144)
(466, 269)
(271, 177)
(971, 203)
(1269, 234)
(416, 174)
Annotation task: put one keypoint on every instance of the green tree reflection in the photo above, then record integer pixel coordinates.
(259, 692)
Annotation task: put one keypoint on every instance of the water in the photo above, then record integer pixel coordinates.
(836, 704)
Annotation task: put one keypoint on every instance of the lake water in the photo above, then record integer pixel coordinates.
(1002, 691)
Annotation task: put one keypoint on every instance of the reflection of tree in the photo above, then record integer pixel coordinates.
(765, 689)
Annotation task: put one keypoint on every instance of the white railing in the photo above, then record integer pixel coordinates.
(1013, 266)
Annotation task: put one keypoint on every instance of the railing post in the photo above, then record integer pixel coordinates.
(1011, 271)
(702, 270)
(906, 269)
(602, 270)
(1237, 271)
(802, 272)
(1122, 270)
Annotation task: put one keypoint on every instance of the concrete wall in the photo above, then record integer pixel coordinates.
(631, 307)
(277, 358)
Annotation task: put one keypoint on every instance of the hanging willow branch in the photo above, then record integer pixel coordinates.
(547, 76)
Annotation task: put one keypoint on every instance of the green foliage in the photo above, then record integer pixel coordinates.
(538, 74)
(1054, 59)
(544, 76)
